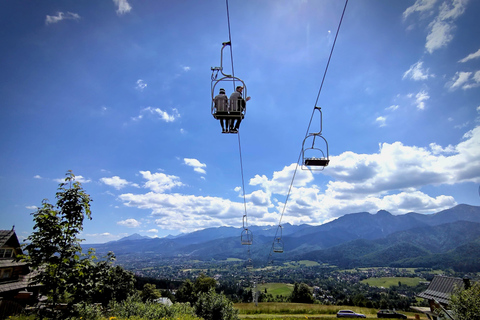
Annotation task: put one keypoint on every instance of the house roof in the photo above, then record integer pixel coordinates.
(441, 288)
(5, 235)
(8, 238)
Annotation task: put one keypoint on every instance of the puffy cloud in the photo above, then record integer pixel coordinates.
(391, 179)
(130, 223)
(417, 73)
(160, 182)
(61, 16)
(157, 113)
(197, 165)
(122, 6)
(282, 179)
(37, 176)
(116, 182)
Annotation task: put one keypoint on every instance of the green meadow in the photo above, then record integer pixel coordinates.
(388, 282)
(276, 289)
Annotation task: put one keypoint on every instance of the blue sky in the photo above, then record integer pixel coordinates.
(119, 92)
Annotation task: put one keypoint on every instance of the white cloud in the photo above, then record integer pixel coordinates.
(158, 113)
(160, 182)
(186, 69)
(130, 223)
(61, 16)
(464, 80)
(31, 207)
(152, 231)
(37, 176)
(419, 6)
(381, 121)
(80, 179)
(122, 6)
(393, 107)
(116, 182)
(443, 25)
(417, 73)
(470, 56)
(141, 85)
(420, 99)
(197, 165)
(391, 178)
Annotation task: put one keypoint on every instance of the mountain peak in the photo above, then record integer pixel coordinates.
(383, 213)
(134, 236)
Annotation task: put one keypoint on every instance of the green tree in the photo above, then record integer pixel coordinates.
(204, 284)
(185, 293)
(302, 294)
(150, 292)
(214, 306)
(53, 249)
(465, 304)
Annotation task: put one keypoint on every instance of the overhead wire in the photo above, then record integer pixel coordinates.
(306, 134)
(245, 219)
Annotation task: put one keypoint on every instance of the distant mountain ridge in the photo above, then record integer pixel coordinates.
(357, 239)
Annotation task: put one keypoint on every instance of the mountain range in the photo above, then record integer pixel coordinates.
(447, 239)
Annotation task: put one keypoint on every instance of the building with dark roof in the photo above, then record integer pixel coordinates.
(438, 295)
(14, 275)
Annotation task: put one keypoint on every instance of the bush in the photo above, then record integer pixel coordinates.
(213, 306)
(133, 308)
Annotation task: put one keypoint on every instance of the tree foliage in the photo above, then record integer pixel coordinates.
(150, 292)
(302, 294)
(53, 248)
(213, 306)
(465, 304)
(54, 253)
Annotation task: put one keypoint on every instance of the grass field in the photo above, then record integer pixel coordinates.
(387, 282)
(289, 311)
(276, 289)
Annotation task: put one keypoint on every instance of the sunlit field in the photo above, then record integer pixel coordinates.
(275, 310)
(388, 282)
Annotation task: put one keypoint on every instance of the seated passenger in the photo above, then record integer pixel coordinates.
(221, 109)
(237, 105)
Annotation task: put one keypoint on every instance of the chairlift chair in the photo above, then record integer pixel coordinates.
(225, 112)
(315, 155)
(246, 237)
(278, 243)
(249, 264)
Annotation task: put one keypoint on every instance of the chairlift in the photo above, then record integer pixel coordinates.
(222, 80)
(313, 155)
(278, 243)
(249, 264)
(246, 237)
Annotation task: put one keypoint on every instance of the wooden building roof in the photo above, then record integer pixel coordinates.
(441, 288)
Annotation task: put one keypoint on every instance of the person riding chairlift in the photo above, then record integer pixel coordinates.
(237, 105)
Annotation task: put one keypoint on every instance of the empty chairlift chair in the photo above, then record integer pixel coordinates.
(278, 243)
(315, 149)
(246, 238)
